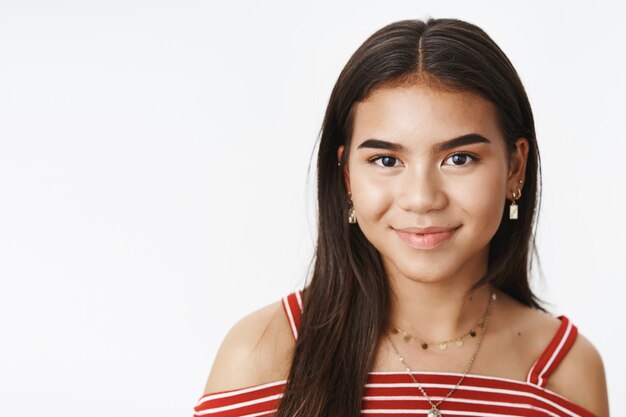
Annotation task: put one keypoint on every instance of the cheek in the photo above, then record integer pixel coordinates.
(371, 196)
(484, 199)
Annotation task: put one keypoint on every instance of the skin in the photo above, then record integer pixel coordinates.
(420, 188)
(417, 187)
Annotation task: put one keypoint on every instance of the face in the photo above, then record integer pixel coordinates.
(427, 158)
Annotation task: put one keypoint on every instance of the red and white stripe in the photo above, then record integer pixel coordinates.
(553, 354)
(389, 394)
(252, 401)
(395, 394)
(292, 305)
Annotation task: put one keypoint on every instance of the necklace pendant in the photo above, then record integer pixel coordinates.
(434, 412)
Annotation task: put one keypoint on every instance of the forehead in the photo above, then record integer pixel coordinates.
(418, 115)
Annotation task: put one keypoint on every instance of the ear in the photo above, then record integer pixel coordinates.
(346, 171)
(517, 166)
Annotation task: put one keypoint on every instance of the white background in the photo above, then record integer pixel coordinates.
(155, 183)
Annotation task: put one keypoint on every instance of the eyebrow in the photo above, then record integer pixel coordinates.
(438, 147)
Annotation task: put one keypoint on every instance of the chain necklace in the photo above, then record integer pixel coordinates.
(442, 345)
(434, 411)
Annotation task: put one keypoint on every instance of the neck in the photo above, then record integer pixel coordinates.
(437, 311)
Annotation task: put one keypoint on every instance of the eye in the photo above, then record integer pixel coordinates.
(460, 159)
(388, 161)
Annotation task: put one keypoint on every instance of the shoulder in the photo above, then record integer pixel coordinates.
(580, 377)
(526, 331)
(256, 350)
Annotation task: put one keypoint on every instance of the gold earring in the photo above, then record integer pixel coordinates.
(352, 211)
(352, 215)
(513, 208)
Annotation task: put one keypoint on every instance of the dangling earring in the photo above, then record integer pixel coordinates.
(352, 211)
(514, 207)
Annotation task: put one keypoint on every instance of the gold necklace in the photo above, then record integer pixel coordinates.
(434, 411)
(442, 345)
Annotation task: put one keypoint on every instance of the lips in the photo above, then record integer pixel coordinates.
(426, 238)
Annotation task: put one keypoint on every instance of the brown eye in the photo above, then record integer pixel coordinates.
(461, 159)
(386, 160)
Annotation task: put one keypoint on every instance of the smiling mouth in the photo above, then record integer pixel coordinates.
(427, 238)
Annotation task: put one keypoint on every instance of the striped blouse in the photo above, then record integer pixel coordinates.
(391, 394)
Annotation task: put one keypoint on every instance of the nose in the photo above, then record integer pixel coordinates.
(421, 190)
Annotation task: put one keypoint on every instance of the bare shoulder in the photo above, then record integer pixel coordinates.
(526, 331)
(256, 350)
(580, 377)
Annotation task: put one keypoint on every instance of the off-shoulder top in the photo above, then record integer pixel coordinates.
(389, 394)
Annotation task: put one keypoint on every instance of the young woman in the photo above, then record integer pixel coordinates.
(419, 302)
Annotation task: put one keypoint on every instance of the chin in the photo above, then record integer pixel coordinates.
(425, 275)
(431, 279)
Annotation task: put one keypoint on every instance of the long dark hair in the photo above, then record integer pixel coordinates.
(346, 303)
